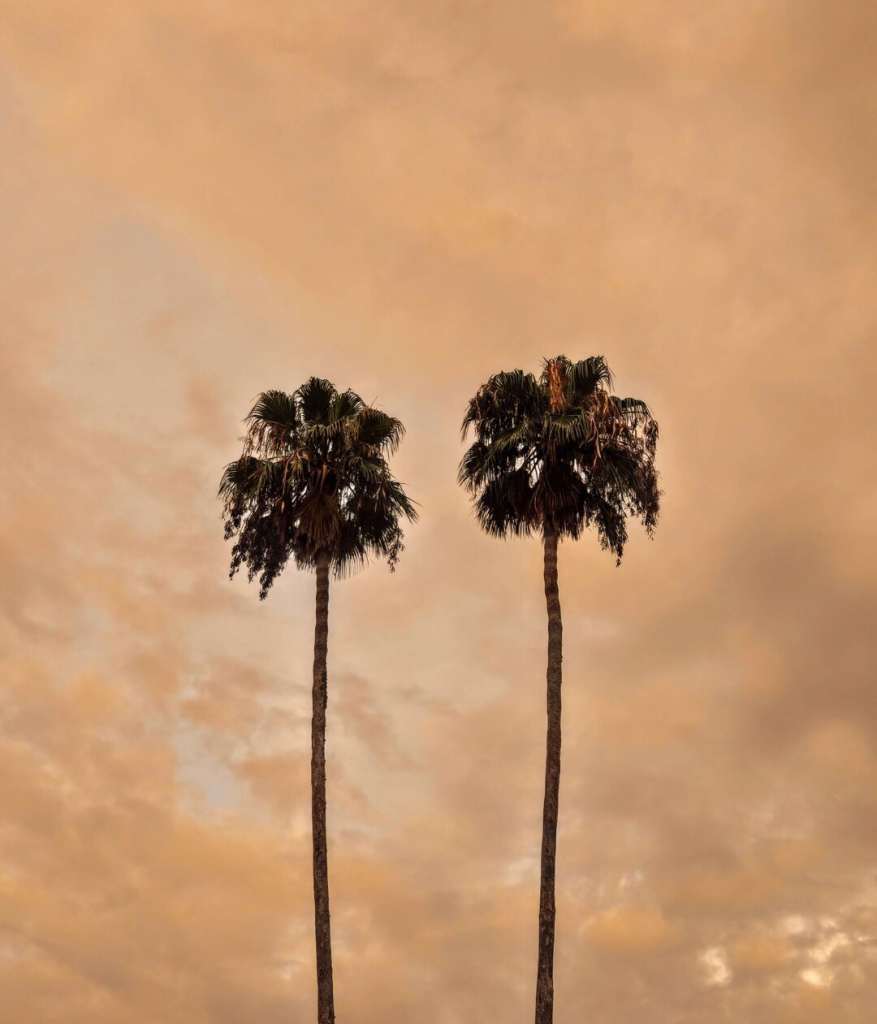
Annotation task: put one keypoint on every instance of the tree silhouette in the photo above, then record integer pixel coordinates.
(555, 455)
(313, 485)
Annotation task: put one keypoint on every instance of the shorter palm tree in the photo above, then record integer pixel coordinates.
(553, 456)
(313, 485)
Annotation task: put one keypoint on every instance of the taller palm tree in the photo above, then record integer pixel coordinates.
(313, 484)
(553, 456)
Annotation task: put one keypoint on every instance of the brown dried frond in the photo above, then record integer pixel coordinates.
(556, 377)
(605, 414)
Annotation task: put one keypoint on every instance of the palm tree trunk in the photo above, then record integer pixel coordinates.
(325, 993)
(547, 910)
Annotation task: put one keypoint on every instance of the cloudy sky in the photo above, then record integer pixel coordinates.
(201, 200)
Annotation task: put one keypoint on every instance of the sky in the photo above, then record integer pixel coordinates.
(203, 200)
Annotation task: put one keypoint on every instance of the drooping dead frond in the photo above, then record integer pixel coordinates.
(555, 375)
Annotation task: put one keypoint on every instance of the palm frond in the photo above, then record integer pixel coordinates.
(587, 376)
(274, 407)
(634, 410)
(375, 428)
(315, 399)
(346, 404)
(506, 395)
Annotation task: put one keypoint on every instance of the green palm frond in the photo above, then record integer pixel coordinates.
(473, 466)
(315, 399)
(369, 469)
(506, 395)
(345, 405)
(634, 411)
(376, 429)
(587, 376)
(568, 426)
(274, 407)
(509, 443)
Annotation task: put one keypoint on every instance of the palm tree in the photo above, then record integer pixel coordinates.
(553, 456)
(313, 484)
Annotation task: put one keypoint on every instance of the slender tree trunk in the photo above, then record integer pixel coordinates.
(325, 993)
(547, 910)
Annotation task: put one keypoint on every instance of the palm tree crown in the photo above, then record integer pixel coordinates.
(313, 480)
(560, 453)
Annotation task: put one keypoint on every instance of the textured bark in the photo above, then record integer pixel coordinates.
(547, 910)
(325, 992)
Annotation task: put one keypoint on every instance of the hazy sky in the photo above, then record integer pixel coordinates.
(201, 200)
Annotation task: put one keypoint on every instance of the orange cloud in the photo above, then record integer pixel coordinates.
(200, 203)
